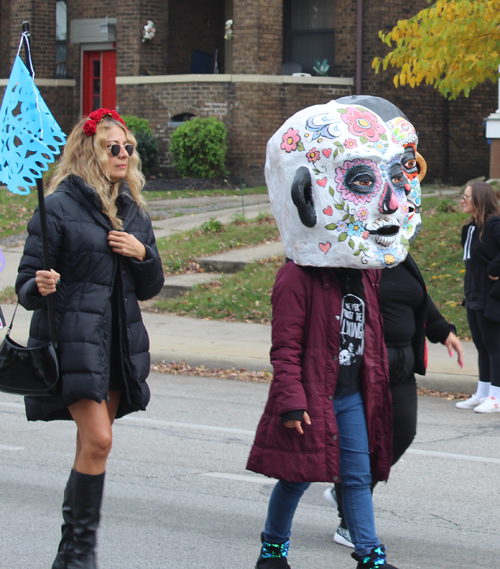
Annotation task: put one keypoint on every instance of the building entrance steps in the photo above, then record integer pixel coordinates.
(228, 262)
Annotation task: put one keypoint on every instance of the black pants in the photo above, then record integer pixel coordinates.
(486, 336)
(404, 421)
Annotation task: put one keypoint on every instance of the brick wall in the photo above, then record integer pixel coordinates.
(5, 62)
(258, 36)
(251, 112)
(41, 15)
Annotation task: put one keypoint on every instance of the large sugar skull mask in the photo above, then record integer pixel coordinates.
(415, 168)
(337, 188)
(414, 165)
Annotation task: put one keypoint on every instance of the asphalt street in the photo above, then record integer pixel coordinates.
(178, 496)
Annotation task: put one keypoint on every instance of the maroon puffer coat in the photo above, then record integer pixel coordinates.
(305, 346)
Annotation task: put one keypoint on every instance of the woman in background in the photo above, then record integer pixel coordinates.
(481, 243)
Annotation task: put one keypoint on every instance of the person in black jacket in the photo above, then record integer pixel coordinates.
(408, 311)
(481, 243)
(409, 316)
(104, 259)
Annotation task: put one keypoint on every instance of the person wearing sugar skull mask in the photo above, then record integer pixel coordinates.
(104, 258)
(338, 194)
(408, 311)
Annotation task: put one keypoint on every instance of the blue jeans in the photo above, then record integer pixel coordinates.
(354, 474)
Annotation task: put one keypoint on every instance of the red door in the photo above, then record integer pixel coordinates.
(99, 80)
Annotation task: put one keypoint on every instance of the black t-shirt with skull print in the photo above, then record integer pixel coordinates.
(352, 331)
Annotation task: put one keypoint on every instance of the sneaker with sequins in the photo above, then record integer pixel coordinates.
(273, 555)
(374, 560)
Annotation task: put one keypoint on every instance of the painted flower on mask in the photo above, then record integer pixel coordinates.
(403, 208)
(382, 148)
(362, 214)
(350, 143)
(355, 229)
(290, 140)
(313, 155)
(388, 256)
(348, 194)
(342, 227)
(363, 123)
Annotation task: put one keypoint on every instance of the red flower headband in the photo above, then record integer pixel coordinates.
(95, 117)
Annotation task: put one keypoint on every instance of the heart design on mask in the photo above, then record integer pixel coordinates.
(322, 182)
(325, 247)
(326, 152)
(328, 210)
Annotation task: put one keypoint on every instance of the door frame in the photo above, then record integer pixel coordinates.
(107, 46)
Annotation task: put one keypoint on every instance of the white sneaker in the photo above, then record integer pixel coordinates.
(488, 405)
(470, 403)
(330, 497)
(343, 537)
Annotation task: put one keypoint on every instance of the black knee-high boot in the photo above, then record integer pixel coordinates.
(65, 546)
(87, 498)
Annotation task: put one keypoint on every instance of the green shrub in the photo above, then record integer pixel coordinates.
(199, 147)
(147, 145)
(136, 125)
(212, 226)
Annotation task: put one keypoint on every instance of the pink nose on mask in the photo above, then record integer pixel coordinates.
(389, 202)
(393, 203)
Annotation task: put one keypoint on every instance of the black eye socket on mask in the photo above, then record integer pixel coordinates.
(409, 160)
(397, 176)
(360, 179)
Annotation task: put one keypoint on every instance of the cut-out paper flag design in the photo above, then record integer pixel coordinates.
(30, 137)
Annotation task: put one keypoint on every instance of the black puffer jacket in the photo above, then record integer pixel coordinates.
(79, 251)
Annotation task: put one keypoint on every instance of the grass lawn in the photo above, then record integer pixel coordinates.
(174, 194)
(179, 251)
(16, 210)
(246, 295)
(438, 252)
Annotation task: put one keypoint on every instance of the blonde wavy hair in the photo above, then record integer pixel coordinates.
(88, 157)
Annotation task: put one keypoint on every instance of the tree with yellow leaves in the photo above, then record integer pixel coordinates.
(453, 45)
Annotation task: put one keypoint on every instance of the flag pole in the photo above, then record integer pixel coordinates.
(41, 199)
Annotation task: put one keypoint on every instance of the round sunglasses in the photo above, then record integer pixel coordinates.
(116, 148)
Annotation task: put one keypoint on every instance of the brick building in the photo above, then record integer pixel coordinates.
(91, 54)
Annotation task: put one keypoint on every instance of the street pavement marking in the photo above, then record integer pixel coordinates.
(240, 477)
(159, 423)
(14, 405)
(456, 456)
(231, 431)
(7, 447)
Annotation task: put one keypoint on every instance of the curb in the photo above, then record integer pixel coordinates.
(454, 383)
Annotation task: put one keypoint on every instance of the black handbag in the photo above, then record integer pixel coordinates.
(28, 371)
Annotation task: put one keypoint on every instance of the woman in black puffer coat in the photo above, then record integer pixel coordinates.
(104, 259)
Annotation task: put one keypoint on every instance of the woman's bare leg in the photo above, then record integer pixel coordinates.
(94, 437)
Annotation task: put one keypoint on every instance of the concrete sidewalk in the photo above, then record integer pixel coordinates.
(221, 344)
(216, 343)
